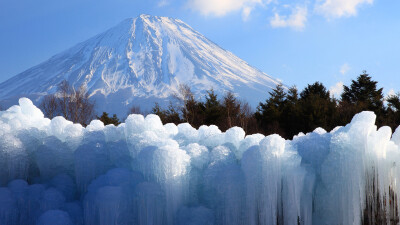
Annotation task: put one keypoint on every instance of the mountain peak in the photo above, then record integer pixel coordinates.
(143, 60)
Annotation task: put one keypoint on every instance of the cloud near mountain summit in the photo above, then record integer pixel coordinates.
(291, 14)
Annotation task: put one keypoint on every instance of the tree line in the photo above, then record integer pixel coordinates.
(225, 112)
(285, 112)
(288, 113)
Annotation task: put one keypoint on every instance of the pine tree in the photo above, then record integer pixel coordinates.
(362, 95)
(291, 117)
(269, 113)
(172, 116)
(109, 120)
(212, 109)
(394, 102)
(157, 110)
(317, 108)
(393, 111)
(169, 115)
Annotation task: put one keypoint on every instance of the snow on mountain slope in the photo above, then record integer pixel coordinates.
(141, 61)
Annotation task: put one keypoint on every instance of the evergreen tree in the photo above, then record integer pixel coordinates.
(318, 109)
(364, 91)
(362, 95)
(393, 111)
(109, 120)
(291, 116)
(316, 89)
(212, 109)
(172, 116)
(157, 110)
(169, 115)
(269, 113)
(394, 102)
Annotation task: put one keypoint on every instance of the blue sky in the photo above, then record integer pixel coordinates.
(299, 42)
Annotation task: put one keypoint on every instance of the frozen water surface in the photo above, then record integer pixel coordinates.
(143, 172)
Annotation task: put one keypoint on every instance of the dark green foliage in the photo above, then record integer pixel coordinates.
(225, 113)
(317, 108)
(169, 115)
(172, 115)
(362, 95)
(269, 114)
(394, 102)
(316, 89)
(363, 91)
(292, 121)
(159, 112)
(393, 111)
(286, 112)
(109, 120)
(213, 111)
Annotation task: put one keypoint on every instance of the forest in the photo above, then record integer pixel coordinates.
(287, 111)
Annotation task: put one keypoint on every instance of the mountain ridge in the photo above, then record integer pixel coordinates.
(140, 61)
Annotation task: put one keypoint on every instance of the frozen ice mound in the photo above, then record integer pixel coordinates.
(144, 172)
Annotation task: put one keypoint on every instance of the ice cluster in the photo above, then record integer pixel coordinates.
(54, 172)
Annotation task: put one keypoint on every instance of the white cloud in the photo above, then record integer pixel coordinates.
(336, 89)
(222, 7)
(162, 3)
(296, 20)
(340, 8)
(344, 68)
(246, 13)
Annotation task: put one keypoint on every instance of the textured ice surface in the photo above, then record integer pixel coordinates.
(143, 172)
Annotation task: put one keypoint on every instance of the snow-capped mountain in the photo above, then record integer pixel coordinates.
(139, 62)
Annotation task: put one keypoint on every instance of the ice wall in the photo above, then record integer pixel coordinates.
(144, 172)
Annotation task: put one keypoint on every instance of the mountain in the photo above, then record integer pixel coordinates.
(139, 62)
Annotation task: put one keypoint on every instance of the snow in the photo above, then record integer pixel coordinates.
(139, 62)
(179, 65)
(144, 172)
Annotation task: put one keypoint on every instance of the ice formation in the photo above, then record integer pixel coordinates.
(144, 172)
